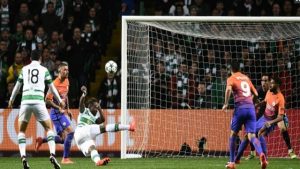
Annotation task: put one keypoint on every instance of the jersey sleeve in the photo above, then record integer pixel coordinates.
(281, 105)
(266, 97)
(20, 77)
(229, 82)
(49, 95)
(48, 78)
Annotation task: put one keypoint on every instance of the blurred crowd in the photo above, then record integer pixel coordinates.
(226, 8)
(194, 76)
(76, 31)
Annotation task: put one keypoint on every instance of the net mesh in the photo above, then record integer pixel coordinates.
(177, 75)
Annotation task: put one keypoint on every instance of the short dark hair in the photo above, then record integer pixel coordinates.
(35, 55)
(277, 80)
(91, 101)
(50, 3)
(265, 74)
(63, 63)
(235, 66)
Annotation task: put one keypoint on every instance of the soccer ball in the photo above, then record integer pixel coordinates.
(111, 67)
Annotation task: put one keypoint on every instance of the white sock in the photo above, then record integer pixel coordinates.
(116, 127)
(95, 156)
(51, 142)
(22, 144)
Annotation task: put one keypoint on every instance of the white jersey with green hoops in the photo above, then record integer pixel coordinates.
(87, 118)
(33, 77)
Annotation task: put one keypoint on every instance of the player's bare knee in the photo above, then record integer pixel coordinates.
(47, 128)
(23, 126)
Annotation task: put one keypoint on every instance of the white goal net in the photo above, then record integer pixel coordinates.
(174, 72)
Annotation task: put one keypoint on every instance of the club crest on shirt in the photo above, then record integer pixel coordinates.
(273, 103)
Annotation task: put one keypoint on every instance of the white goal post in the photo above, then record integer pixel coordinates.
(163, 129)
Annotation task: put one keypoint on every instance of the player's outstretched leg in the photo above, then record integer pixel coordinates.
(96, 157)
(67, 147)
(286, 137)
(118, 127)
(25, 162)
(287, 141)
(51, 144)
(232, 143)
(262, 156)
(241, 150)
(54, 162)
(263, 144)
(258, 148)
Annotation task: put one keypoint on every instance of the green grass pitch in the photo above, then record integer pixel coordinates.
(150, 163)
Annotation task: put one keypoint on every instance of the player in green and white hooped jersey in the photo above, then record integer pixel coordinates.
(33, 78)
(90, 126)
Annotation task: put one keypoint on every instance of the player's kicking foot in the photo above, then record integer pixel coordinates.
(25, 163)
(292, 154)
(38, 143)
(102, 162)
(263, 161)
(66, 161)
(230, 165)
(132, 126)
(54, 162)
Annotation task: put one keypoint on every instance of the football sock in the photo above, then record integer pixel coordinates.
(286, 138)
(252, 147)
(116, 127)
(232, 141)
(263, 144)
(95, 156)
(256, 144)
(22, 144)
(58, 140)
(242, 148)
(67, 144)
(51, 143)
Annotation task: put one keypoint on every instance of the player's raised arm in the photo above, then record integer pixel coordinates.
(15, 90)
(101, 119)
(82, 99)
(14, 94)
